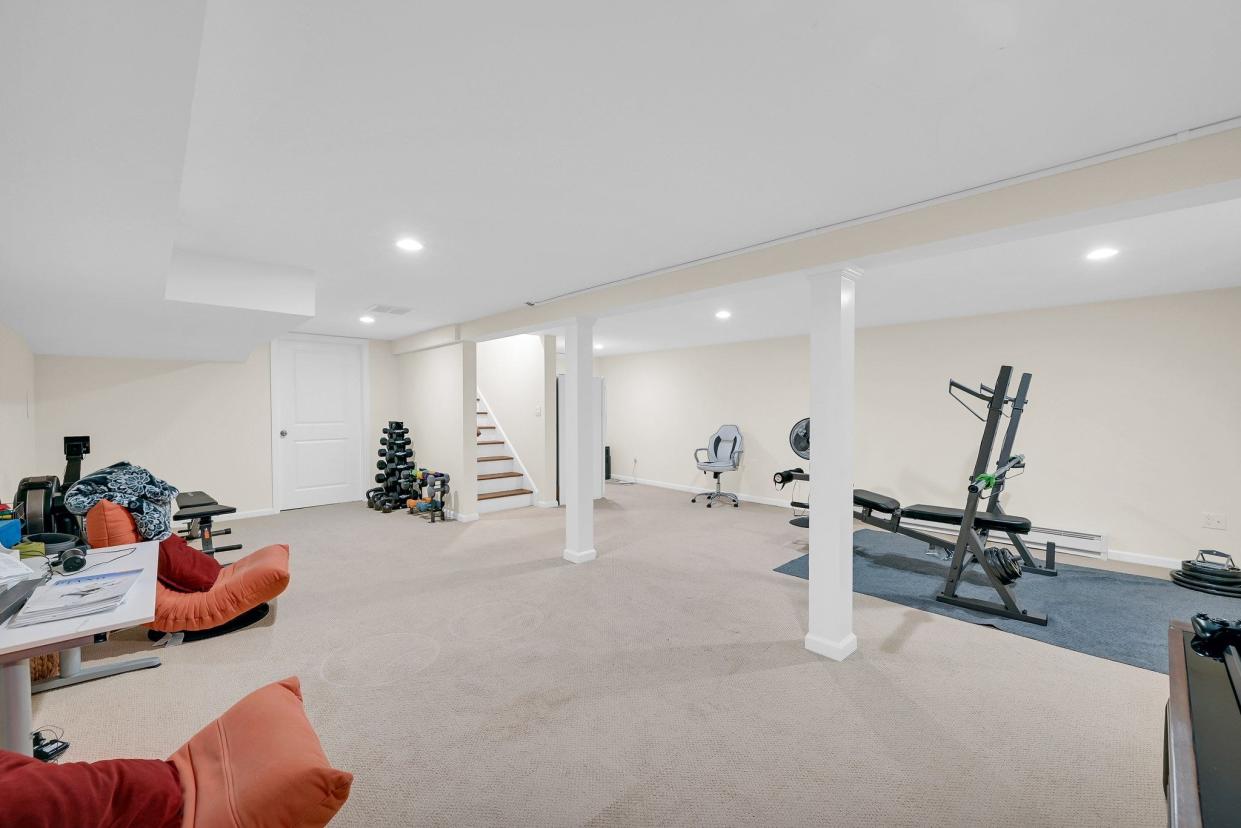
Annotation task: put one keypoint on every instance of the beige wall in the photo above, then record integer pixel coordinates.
(513, 377)
(1132, 430)
(663, 405)
(434, 387)
(17, 424)
(386, 399)
(198, 425)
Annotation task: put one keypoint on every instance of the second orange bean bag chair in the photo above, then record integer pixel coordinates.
(250, 582)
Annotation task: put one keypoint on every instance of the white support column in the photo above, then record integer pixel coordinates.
(831, 464)
(466, 487)
(577, 460)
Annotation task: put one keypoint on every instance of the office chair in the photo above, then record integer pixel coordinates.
(723, 453)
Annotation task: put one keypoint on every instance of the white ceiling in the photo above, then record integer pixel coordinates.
(1198, 248)
(534, 147)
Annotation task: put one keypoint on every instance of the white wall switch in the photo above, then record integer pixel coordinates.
(1214, 520)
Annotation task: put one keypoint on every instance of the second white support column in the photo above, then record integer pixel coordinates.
(831, 464)
(577, 460)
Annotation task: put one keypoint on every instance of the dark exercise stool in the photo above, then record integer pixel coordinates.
(199, 509)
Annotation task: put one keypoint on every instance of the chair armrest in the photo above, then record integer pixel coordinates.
(697, 459)
(737, 458)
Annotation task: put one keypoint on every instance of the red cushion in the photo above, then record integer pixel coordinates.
(117, 793)
(183, 568)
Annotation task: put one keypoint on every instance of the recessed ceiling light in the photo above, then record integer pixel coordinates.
(367, 320)
(1101, 253)
(409, 245)
(723, 314)
(598, 347)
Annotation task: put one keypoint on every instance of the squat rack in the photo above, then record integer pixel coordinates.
(998, 565)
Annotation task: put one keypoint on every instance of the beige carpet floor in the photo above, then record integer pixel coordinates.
(468, 676)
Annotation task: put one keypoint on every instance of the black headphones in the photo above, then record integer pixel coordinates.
(70, 560)
(64, 553)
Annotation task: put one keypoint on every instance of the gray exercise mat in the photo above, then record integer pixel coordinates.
(1112, 615)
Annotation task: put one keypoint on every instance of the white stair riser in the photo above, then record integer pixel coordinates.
(484, 420)
(500, 504)
(493, 466)
(500, 483)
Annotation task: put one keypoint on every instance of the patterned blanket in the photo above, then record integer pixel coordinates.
(148, 498)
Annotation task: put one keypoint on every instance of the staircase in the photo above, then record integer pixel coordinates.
(502, 481)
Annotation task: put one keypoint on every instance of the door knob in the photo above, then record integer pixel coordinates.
(284, 433)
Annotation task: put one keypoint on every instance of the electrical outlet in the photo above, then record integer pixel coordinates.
(1214, 520)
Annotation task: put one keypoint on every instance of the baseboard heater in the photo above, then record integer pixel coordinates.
(1067, 541)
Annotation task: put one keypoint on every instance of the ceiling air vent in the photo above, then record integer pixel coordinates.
(390, 310)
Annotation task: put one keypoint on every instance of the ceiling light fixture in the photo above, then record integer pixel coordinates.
(409, 245)
(367, 320)
(723, 314)
(598, 347)
(1101, 253)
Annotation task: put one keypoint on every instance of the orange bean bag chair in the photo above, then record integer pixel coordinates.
(260, 764)
(255, 579)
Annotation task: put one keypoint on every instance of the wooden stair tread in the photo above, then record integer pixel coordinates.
(494, 457)
(485, 426)
(491, 442)
(498, 475)
(506, 493)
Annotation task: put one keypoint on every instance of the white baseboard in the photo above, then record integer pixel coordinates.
(1144, 559)
(681, 487)
(580, 557)
(461, 518)
(548, 504)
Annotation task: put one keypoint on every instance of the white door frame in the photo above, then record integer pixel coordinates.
(363, 346)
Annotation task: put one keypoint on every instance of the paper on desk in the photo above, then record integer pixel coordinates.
(74, 596)
(13, 570)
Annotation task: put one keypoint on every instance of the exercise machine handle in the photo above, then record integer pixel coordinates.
(783, 478)
(986, 481)
(953, 384)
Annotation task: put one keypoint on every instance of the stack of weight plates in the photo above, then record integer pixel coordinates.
(1217, 577)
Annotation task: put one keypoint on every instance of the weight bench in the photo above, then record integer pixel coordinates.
(989, 521)
(1011, 525)
(199, 509)
(969, 544)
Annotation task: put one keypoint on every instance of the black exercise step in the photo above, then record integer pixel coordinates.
(874, 501)
(953, 517)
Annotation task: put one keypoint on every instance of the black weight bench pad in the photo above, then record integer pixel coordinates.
(953, 517)
(191, 505)
(877, 502)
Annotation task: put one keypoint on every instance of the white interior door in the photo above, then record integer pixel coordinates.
(317, 415)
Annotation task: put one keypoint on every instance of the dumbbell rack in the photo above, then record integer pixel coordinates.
(396, 470)
(402, 485)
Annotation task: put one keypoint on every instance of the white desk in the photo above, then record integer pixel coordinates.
(18, 645)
